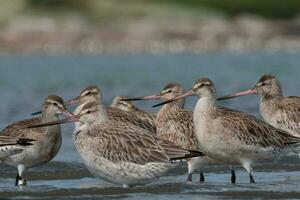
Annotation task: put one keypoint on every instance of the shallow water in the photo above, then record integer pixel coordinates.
(26, 80)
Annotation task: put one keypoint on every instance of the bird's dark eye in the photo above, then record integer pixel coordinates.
(169, 91)
(88, 93)
(88, 112)
(55, 104)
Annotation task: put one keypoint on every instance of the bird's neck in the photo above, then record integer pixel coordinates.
(48, 116)
(170, 107)
(206, 104)
(102, 114)
(275, 92)
(271, 96)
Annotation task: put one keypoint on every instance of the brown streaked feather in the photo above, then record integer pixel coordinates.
(148, 117)
(289, 108)
(127, 117)
(123, 143)
(252, 131)
(266, 77)
(178, 126)
(7, 140)
(91, 87)
(171, 85)
(56, 98)
(19, 130)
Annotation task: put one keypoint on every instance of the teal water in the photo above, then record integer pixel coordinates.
(26, 80)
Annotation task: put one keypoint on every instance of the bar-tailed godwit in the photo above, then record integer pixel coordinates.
(233, 137)
(47, 141)
(175, 124)
(120, 152)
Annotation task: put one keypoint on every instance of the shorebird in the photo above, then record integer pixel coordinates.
(130, 107)
(119, 152)
(233, 137)
(124, 105)
(10, 146)
(47, 141)
(93, 94)
(175, 124)
(277, 110)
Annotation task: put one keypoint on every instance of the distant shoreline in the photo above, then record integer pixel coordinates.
(244, 33)
(130, 27)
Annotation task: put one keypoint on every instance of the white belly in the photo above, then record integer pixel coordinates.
(220, 146)
(123, 173)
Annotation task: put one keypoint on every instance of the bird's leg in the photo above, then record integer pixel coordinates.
(19, 180)
(247, 166)
(202, 179)
(190, 177)
(233, 177)
(251, 178)
(190, 170)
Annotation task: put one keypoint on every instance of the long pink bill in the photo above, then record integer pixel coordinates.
(67, 113)
(238, 94)
(73, 101)
(188, 93)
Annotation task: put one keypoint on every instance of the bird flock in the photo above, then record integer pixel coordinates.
(128, 146)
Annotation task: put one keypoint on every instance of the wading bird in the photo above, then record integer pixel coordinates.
(45, 141)
(120, 152)
(233, 137)
(175, 124)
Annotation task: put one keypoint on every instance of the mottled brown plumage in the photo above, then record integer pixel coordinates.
(120, 152)
(281, 112)
(19, 129)
(249, 130)
(93, 94)
(123, 143)
(130, 107)
(288, 117)
(277, 110)
(175, 124)
(47, 141)
(234, 137)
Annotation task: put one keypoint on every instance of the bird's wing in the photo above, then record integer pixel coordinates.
(122, 143)
(252, 131)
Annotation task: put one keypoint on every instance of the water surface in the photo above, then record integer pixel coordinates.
(26, 80)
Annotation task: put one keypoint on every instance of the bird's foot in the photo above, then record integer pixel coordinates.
(20, 182)
(202, 179)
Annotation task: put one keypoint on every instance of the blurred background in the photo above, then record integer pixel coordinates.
(135, 47)
(155, 26)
